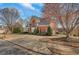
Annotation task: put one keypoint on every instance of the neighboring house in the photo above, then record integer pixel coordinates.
(33, 23)
(41, 24)
(2, 28)
(18, 23)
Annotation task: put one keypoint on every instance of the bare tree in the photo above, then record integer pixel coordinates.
(66, 14)
(69, 17)
(9, 17)
(50, 11)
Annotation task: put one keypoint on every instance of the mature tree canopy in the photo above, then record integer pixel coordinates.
(9, 16)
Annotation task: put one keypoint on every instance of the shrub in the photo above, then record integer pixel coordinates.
(36, 31)
(24, 33)
(43, 33)
(17, 30)
(57, 33)
(49, 31)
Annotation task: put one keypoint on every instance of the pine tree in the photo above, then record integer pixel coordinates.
(49, 31)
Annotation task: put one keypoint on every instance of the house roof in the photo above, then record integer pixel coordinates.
(43, 22)
(37, 18)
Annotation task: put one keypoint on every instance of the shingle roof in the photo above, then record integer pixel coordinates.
(43, 22)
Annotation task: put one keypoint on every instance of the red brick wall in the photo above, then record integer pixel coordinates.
(33, 21)
(53, 26)
(42, 28)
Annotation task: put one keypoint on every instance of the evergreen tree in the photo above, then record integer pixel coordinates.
(49, 31)
(36, 31)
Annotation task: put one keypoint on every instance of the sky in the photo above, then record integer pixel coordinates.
(25, 9)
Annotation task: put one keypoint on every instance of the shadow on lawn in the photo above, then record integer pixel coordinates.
(59, 41)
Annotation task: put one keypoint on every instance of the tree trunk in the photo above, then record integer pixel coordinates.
(67, 37)
(12, 30)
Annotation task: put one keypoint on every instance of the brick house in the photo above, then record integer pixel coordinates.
(41, 24)
(33, 23)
